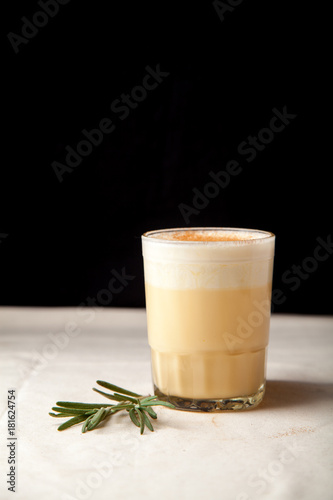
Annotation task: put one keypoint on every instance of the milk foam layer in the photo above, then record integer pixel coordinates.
(242, 259)
(207, 235)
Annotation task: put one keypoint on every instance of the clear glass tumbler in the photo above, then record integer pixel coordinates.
(208, 299)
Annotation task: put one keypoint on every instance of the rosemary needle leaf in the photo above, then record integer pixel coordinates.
(112, 387)
(158, 403)
(70, 411)
(148, 398)
(85, 425)
(115, 396)
(93, 425)
(66, 415)
(126, 398)
(150, 411)
(58, 415)
(147, 421)
(95, 420)
(110, 396)
(142, 421)
(82, 406)
(72, 421)
(132, 414)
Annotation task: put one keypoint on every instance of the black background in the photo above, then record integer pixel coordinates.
(225, 77)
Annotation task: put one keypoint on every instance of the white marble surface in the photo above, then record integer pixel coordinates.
(281, 450)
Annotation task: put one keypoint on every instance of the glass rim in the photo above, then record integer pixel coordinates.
(265, 235)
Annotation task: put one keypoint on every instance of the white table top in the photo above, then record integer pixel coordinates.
(280, 450)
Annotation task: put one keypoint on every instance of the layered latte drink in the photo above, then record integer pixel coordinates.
(208, 298)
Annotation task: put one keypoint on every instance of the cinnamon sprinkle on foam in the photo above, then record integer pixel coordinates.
(206, 235)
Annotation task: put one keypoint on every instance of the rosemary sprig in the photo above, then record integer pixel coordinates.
(138, 407)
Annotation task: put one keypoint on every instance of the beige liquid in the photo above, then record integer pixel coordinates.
(208, 310)
(208, 344)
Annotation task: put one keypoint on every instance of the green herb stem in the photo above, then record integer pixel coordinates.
(138, 407)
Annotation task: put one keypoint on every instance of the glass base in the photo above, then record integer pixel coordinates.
(214, 405)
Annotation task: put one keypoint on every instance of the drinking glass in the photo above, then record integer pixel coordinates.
(208, 300)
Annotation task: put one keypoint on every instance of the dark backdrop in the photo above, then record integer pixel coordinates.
(222, 72)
